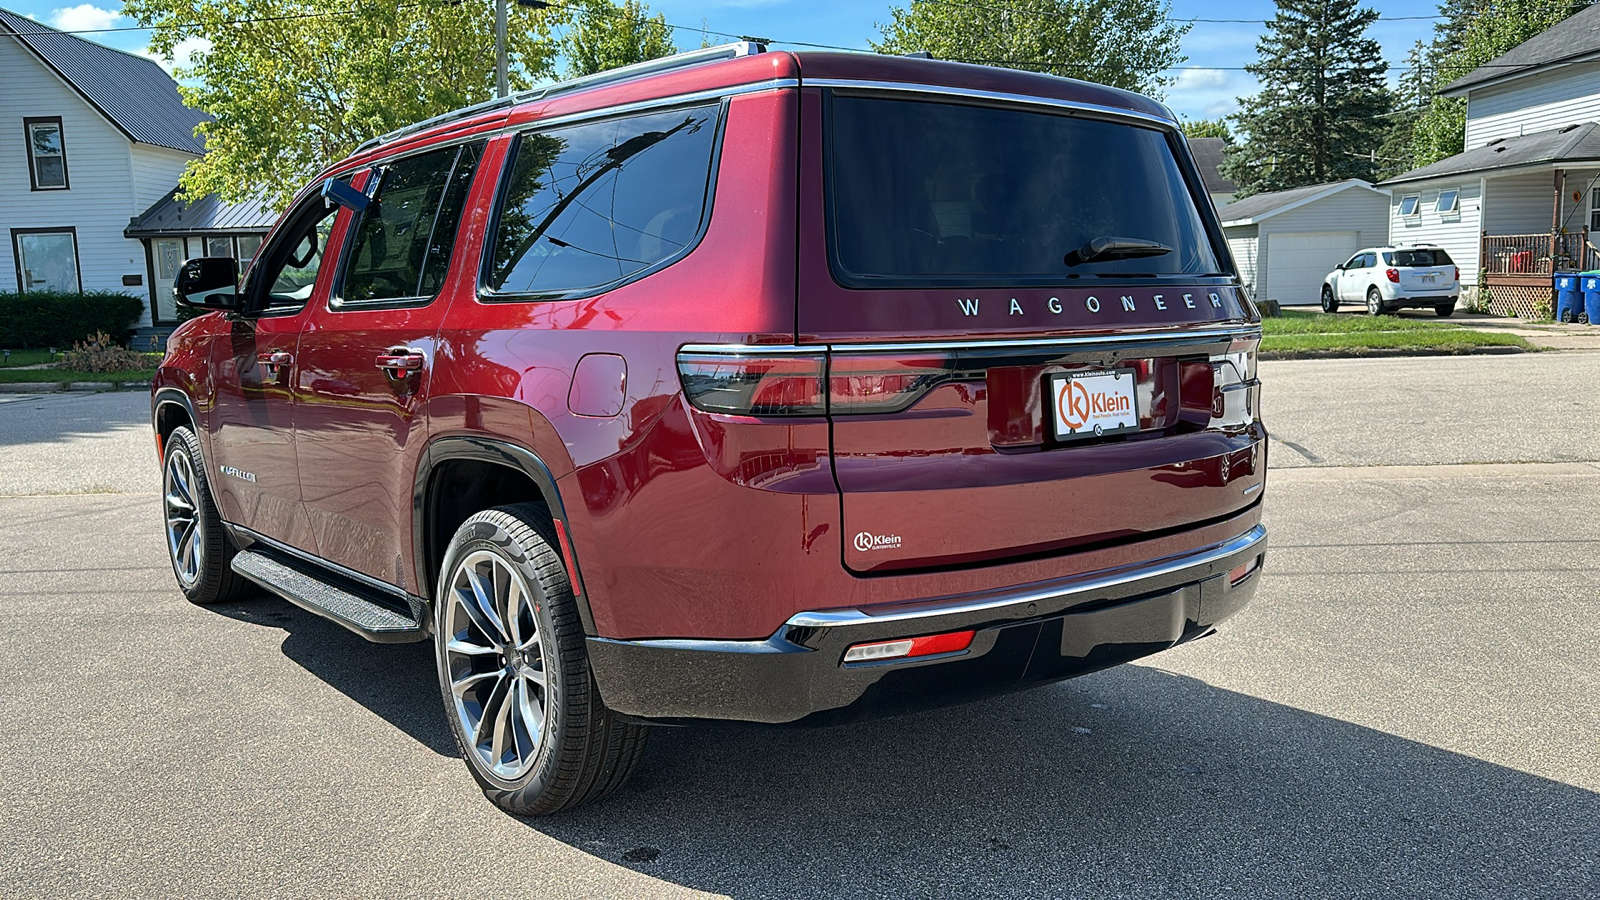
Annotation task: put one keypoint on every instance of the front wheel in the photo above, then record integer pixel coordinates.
(1375, 305)
(1330, 303)
(200, 551)
(514, 671)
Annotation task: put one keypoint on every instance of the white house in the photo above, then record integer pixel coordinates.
(1207, 153)
(1286, 242)
(1520, 200)
(91, 139)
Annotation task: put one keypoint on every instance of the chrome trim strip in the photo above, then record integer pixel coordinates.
(606, 112)
(1024, 99)
(1198, 335)
(1243, 543)
(334, 567)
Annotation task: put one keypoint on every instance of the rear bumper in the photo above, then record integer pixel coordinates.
(1026, 635)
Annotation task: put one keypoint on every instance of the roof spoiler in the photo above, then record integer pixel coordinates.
(622, 73)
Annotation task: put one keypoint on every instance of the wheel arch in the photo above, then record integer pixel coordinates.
(514, 473)
(169, 409)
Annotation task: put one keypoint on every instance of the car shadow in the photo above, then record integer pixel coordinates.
(396, 682)
(1130, 782)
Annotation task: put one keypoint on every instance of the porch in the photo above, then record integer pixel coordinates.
(1516, 269)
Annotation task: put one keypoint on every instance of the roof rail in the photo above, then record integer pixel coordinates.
(622, 73)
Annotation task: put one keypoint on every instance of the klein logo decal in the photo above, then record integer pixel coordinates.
(1079, 405)
(866, 540)
(232, 472)
(1128, 303)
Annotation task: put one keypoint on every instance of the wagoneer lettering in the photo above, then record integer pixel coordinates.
(648, 403)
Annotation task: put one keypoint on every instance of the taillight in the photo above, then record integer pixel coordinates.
(1233, 384)
(752, 383)
(755, 384)
(882, 384)
(1392, 274)
(1458, 273)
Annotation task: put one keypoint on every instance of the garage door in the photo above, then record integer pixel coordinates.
(1297, 263)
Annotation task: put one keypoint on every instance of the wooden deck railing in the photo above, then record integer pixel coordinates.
(1536, 254)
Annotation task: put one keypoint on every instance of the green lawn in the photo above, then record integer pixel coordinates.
(25, 358)
(1295, 331)
(62, 376)
(1294, 321)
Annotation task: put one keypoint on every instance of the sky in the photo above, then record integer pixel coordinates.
(1209, 82)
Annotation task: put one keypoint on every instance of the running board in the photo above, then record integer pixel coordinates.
(361, 614)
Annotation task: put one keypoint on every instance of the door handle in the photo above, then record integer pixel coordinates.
(400, 361)
(275, 362)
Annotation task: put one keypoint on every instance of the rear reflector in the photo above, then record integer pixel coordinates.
(906, 648)
(1241, 572)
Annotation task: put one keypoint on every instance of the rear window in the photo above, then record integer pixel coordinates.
(931, 193)
(1418, 258)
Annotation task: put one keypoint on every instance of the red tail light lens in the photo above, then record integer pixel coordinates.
(882, 384)
(1458, 273)
(907, 648)
(1392, 274)
(755, 385)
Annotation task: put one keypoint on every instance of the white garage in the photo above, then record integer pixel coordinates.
(1286, 242)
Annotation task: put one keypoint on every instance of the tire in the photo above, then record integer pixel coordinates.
(198, 546)
(1445, 310)
(1375, 305)
(1330, 303)
(514, 672)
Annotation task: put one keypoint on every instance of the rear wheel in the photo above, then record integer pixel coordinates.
(514, 672)
(1445, 310)
(199, 548)
(1330, 303)
(1375, 305)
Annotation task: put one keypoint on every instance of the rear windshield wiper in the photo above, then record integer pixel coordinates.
(1108, 248)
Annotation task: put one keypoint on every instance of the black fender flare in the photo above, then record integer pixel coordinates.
(171, 396)
(493, 452)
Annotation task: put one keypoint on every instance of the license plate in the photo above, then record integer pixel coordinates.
(1429, 278)
(1094, 404)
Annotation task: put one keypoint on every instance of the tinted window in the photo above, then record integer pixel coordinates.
(938, 193)
(594, 204)
(1419, 258)
(402, 246)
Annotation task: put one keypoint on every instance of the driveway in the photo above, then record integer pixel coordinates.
(1408, 709)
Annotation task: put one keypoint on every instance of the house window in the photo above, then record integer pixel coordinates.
(1594, 210)
(1409, 204)
(1449, 202)
(47, 259)
(47, 155)
(219, 246)
(248, 245)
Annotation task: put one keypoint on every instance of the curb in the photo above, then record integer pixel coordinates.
(84, 387)
(1390, 352)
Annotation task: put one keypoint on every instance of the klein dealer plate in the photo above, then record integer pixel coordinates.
(1094, 404)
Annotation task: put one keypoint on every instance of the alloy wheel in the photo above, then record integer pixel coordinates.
(494, 656)
(181, 505)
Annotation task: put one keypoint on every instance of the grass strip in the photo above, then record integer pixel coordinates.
(62, 376)
(1449, 340)
(1295, 321)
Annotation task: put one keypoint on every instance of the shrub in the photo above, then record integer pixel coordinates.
(100, 354)
(56, 320)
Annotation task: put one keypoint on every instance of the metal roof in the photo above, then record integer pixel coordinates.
(132, 92)
(1208, 159)
(1575, 36)
(1260, 206)
(208, 215)
(1569, 143)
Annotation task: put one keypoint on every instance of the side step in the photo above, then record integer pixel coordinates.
(364, 616)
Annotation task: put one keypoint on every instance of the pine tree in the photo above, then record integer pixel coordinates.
(1320, 114)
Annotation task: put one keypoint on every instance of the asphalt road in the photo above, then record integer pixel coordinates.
(1408, 709)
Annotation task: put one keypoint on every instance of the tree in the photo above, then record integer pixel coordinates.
(1208, 128)
(1473, 32)
(1123, 43)
(1319, 114)
(294, 86)
(607, 35)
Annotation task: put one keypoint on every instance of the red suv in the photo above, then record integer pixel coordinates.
(736, 386)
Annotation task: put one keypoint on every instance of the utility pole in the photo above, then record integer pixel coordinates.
(502, 84)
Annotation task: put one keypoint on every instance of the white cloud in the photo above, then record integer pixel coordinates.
(1200, 79)
(180, 54)
(84, 17)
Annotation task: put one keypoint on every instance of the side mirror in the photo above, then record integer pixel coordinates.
(210, 282)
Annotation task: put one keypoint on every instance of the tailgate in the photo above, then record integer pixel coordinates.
(977, 469)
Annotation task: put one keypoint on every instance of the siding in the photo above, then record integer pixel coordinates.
(155, 171)
(1457, 234)
(1362, 211)
(1243, 241)
(99, 170)
(1565, 96)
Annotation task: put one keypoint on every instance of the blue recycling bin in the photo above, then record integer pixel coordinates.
(1569, 296)
(1590, 282)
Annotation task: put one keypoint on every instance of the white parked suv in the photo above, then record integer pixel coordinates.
(1391, 278)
